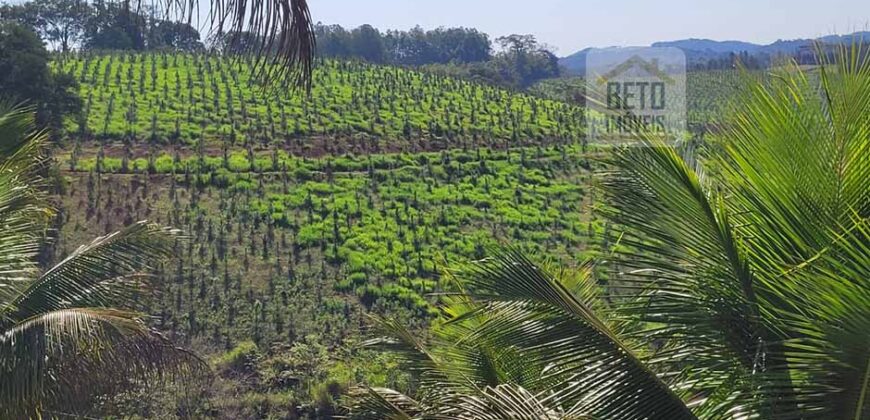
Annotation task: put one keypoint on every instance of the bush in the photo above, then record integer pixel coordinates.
(241, 359)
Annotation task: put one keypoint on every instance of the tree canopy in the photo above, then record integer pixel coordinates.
(25, 75)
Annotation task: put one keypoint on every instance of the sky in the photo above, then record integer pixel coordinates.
(571, 25)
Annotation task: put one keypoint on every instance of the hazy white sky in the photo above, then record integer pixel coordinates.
(571, 25)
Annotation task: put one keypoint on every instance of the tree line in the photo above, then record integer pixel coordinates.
(102, 25)
(515, 60)
(413, 47)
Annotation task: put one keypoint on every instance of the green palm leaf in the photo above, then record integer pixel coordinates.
(522, 344)
(68, 333)
(100, 274)
(383, 403)
(749, 277)
(557, 329)
(74, 342)
(505, 402)
(23, 213)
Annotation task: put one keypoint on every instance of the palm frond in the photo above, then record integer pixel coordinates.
(100, 274)
(383, 403)
(48, 357)
(23, 210)
(284, 31)
(555, 330)
(795, 166)
(830, 356)
(396, 338)
(454, 369)
(474, 361)
(58, 339)
(733, 271)
(17, 138)
(697, 288)
(796, 159)
(505, 402)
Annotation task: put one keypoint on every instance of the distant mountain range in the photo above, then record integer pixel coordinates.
(702, 50)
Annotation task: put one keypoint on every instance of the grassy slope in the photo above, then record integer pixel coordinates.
(297, 256)
(166, 98)
(378, 226)
(292, 242)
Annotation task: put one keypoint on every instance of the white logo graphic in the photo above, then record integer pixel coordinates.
(635, 90)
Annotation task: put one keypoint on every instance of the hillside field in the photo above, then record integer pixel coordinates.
(306, 213)
(353, 107)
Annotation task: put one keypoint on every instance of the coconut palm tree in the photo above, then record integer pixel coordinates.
(744, 285)
(66, 329)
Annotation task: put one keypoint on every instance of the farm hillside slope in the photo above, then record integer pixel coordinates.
(305, 214)
(168, 98)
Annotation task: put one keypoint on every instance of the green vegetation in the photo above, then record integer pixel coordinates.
(297, 251)
(304, 218)
(379, 228)
(723, 278)
(73, 332)
(308, 213)
(742, 289)
(25, 76)
(208, 101)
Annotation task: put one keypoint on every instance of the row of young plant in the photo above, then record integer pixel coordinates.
(108, 158)
(169, 97)
(378, 219)
(313, 246)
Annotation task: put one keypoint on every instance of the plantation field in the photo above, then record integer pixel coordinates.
(283, 246)
(306, 214)
(163, 98)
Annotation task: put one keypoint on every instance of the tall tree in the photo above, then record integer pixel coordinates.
(367, 44)
(62, 22)
(25, 14)
(113, 26)
(173, 35)
(332, 41)
(524, 60)
(25, 75)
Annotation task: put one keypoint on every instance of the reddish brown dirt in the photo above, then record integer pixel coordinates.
(312, 147)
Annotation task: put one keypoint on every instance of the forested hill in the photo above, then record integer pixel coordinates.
(166, 98)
